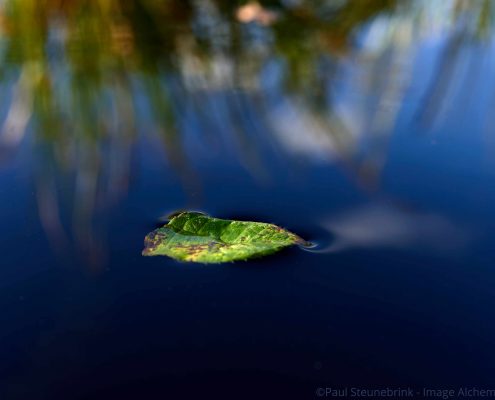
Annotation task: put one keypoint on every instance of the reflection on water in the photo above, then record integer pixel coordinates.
(324, 80)
(323, 117)
(389, 226)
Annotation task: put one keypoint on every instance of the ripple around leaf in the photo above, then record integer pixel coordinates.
(196, 237)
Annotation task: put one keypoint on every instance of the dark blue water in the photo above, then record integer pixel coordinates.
(383, 157)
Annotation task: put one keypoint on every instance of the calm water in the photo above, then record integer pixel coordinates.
(363, 126)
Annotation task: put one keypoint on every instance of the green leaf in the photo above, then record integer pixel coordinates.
(196, 237)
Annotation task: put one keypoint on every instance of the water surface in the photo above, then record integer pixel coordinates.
(363, 126)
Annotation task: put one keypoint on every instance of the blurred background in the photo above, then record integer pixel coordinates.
(363, 125)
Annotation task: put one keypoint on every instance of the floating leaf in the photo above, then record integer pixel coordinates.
(196, 237)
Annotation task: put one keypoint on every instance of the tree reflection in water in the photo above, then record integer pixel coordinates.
(82, 80)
